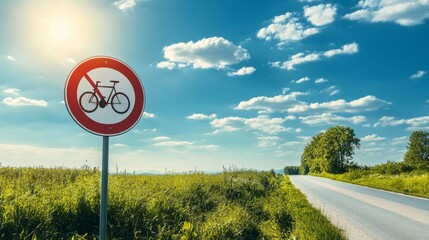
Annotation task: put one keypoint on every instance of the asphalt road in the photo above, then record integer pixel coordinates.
(367, 213)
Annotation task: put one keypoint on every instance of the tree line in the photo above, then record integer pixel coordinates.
(332, 152)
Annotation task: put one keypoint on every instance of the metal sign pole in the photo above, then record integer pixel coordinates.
(104, 178)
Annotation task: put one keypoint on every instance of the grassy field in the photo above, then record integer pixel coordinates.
(38, 203)
(412, 183)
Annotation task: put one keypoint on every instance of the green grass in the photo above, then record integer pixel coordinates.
(37, 203)
(411, 183)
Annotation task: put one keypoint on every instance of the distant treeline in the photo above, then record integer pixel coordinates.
(291, 170)
(332, 152)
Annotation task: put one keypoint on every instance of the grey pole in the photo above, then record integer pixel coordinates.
(104, 178)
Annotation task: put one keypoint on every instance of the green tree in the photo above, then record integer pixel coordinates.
(339, 145)
(310, 158)
(418, 149)
(330, 152)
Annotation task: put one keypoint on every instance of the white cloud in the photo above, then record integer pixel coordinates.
(270, 104)
(148, 115)
(268, 125)
(12, 91)
(301, 80)
(320, 80)
(163, 141)
(402, 12)
(418, 74)
(285, 90)
(290, 103)
(321, 14)
(282, 18)
(286, 28)
(161, 138)
(372, 138)
(11, 58)
(124, 4)
(242, 71)
(23, 101)
(364, 104)
(305, 138)
(399, 140)
(200, 116)
(359, 14)
(267, 141)
(418, 123)
(214, 52)
(120, 145)
(174, 144)
(261, 123)
(209, 147)
(330, 119)
(297, 59)
(351, 48)
(292, 144)
(71, 60)
(228, 124)
(389, 121)
(301, 58)
(166, 64)
(332, 90)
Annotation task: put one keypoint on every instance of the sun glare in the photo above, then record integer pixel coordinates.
(60, 31)
(55, 31)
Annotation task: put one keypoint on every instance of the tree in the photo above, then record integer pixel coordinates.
(310, 155)
(330, 152)
(418, 149)
(339, 144)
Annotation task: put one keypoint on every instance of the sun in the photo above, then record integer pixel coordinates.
(55, 31)
(60, 27)
(60, 30)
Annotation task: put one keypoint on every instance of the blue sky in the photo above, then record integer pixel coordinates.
(227, 83)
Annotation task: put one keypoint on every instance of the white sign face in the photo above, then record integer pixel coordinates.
(107, 115)
(104, 96)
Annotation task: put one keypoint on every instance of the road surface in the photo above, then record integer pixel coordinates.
(367, 213)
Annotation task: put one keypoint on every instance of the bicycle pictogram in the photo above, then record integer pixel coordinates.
(119, 101)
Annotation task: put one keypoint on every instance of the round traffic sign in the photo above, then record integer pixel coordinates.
(104, 96)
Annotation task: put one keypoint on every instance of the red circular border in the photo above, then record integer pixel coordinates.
(71, 99)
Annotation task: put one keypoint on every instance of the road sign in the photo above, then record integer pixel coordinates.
(104, 96)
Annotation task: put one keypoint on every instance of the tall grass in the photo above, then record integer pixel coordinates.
(38, 203)
(414, 183)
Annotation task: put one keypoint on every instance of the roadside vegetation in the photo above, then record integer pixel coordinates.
(330, 155)
(37, 203)
(414, 183)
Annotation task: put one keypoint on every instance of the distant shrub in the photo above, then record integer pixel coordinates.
(291, 170)
(355, 174)
(392, 168)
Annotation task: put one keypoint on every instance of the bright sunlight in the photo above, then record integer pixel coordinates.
(57, 31)
(61, 30)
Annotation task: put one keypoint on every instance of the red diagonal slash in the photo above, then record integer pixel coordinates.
(93, 85)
